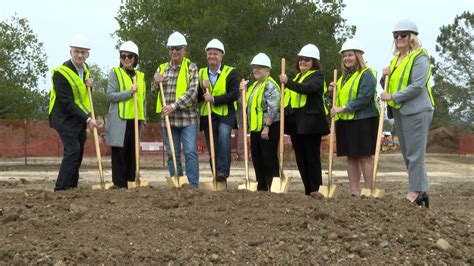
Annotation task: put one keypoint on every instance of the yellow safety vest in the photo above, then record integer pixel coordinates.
(218, 89)
(400, 76)
(348, 92)
(297, 100)
(256, 111)
(126, 108)
(78, 87)
(181, 85)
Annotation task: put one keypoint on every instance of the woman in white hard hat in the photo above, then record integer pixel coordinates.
(124, 82)
(263, 120)
(305, 115)
(356, 114)
(411, 104)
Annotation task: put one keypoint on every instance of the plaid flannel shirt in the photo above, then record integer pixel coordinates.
(185, 106)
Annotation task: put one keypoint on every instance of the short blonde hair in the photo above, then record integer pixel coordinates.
(360, 61)
(414, 42)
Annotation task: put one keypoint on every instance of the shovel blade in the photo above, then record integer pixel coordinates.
(281, 185)
(376, 193)
(177, 182)
(138, 183)
(328, 191)
(250, 186)
(106, 186)
(213, 186)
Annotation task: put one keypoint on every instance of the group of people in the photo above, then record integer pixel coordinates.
(187, 90)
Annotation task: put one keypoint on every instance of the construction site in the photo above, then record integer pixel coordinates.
(159, 224)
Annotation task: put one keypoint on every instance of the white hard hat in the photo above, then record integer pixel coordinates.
(261, 59)
(129, 46)
(352, 44)
(309, 50)
(216, 44)
(80, 41)
(406, 25)
(176, 39)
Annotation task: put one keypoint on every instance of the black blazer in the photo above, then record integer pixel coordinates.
(310, 119)
(66, 115)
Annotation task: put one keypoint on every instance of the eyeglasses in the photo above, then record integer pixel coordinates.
(129, 56)
(306, 59)
(402, 34)
(80, 51)
(176, 48)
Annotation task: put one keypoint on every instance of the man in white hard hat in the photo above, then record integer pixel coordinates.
(69, 110)
(180, 84)
(219, 85)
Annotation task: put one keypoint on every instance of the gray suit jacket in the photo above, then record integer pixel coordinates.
(116, 126)
(415, 97)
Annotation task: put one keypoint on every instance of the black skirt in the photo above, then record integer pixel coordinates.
(356, 137)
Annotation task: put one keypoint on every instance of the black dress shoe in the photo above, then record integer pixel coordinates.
(220, 177)
(423, 199)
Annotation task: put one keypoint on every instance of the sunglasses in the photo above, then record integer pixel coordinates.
(176, 48)
(402, 34)
(306, 59)
(129, 56)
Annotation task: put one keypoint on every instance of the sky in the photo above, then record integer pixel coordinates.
(55, 21)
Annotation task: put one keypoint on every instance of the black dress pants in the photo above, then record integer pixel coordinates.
(123, 158)
(264, 156)
(308, 159)
(73, 143)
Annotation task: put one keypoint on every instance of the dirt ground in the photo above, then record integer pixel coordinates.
(162, 225)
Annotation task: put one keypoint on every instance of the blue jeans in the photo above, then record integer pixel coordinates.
(188, 137)
(222, 146)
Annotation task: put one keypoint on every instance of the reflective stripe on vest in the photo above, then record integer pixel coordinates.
(349, 92)
(78, 87)
(126, 108)
(181, 84)
(298, 100)
(400, 76)
(218, 89)
(256, 111)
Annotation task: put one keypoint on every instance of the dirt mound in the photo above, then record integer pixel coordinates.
(159, 225)
(443, 140)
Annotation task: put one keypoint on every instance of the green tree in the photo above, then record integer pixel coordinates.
(277, 27)
(454, 74)
(22, 63)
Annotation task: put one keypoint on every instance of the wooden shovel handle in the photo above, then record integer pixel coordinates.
(170, 135)
(282, 119)
(379, 136)
(135, 124)
(332, 133)
(96, 142)
(244, 133)
(211, 139)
